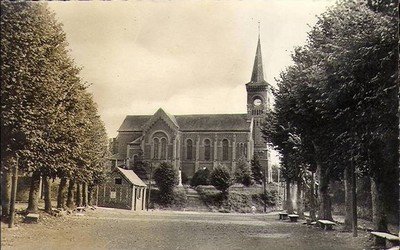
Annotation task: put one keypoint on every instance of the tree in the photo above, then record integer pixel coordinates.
(221, 178)
(363, 92)
(45, 101)
(345, 74)
(243, 173)
(166, 178)
(256, 170)
(35, 82)
(201, 177)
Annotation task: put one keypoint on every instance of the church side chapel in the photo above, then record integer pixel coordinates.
(193, 142)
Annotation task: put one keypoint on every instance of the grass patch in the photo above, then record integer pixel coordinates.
(179, 200)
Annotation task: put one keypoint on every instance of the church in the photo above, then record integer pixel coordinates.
(193, 142)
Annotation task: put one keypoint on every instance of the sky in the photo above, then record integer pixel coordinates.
(187, 57)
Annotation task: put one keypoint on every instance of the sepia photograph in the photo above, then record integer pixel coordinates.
(200, 124)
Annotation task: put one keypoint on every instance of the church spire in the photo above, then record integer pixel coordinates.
(258, 75)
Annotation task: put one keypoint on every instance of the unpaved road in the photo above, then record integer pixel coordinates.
(120, 229)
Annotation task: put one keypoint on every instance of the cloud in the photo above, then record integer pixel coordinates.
(184, 56)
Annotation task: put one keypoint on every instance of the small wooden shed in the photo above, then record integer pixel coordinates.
(123, 189)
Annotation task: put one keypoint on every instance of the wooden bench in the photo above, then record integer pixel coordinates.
(283, 215)
(32, 218)
(393, 239)
(293, 217)
(81, 209)
(326, 224)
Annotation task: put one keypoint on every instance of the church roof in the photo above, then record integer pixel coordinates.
(137, 140)
(203, 122)
(257, 76)
(116, 156)
(171, 117)
(214, 122)
(134, 123)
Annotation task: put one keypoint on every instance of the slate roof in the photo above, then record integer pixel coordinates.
(217, 122)
(206, 122)
(132, 177)
(116, 156)
(137, 140)
(172, 117)
(134, 122)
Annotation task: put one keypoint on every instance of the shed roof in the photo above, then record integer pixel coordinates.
(132, 177)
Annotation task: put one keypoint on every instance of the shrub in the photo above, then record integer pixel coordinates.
(180, 198)
(256, 170)
(243, 173)
(201, 177)
(221, 178)
(166, 177)
(270, 198)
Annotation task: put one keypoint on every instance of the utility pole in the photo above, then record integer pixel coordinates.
(354, 195)
(148, 197)
(265, 181)
(312, 197)
(14, 184)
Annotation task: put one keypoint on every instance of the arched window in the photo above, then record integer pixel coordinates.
(155, 148)
(241, 149)
(189, 149)
(163, 148)
(225, 146)
(207, 150)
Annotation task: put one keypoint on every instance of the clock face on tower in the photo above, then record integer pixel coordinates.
(257, 102)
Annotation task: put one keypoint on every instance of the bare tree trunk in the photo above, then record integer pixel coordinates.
(61, 193)
(5, 192)
(90, 195)
(378, 210)
(289, 204)
(84, 194)
(325, 211)
(34, 193)
(325, 208)
(47, 195)
(299, 199)
(70, 196)
(312, 197)
(78, 198)
(348, 199)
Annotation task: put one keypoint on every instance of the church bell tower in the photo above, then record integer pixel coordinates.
(258, 101)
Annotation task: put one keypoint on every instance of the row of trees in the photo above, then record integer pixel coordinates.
(50, 127)
(335, 110)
